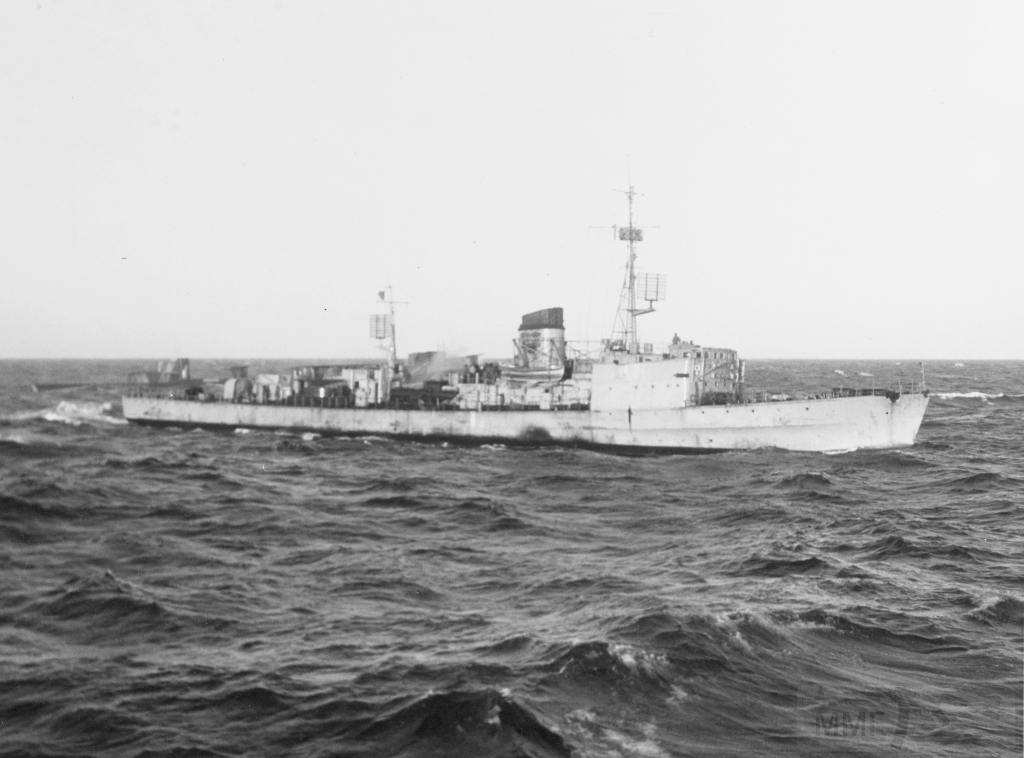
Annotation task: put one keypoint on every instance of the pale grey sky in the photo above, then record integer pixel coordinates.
(239, 179)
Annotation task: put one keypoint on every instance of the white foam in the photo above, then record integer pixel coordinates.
(310, 436)
(581, 715)
(973, 395)
(60, 418)
(739, 640)
(678, 694)
(626, 655)
(22, 416)
(494, 715)
(645, 747)
(81, 412)
(634, 658)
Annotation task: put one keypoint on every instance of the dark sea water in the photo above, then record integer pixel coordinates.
(171, 592)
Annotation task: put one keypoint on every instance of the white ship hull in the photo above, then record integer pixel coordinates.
(824, 425)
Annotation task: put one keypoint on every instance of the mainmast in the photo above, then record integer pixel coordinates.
(382, 327)
(624, 332)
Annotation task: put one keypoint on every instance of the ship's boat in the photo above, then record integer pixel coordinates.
(628, 394)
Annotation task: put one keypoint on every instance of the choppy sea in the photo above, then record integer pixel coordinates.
(174, 592)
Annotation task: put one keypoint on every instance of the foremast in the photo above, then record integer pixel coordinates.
(625, 336)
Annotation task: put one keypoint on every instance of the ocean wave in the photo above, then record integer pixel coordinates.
(106, 608)
(290, 443)
(191, 466)
(509, 646)
(983, 481)
(458, 723)
(80, 412)
(874, 633)
(70, 412)
(811, 486)
(759, 565)
(96, 726)
(611, 663)
(701, 642)
(1000, 610)
(898, 460)
(21, 417)
(805, 481)
(27, 522)
(617, 737)
(17, 509)
(978, 395)
(656, 649)
(248, 702)
(145, 462)
(574, 586)
(897, 546)
(400, 591)
(489, 514)
(401, 502)
(25, 445)
(394, 484)
(758, 513)
(106, 602)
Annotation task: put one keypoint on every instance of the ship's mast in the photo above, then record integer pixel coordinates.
(393, 342)
(624, 331)
(383, 327)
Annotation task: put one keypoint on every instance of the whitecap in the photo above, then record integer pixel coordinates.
(78, 413)
(645, 747)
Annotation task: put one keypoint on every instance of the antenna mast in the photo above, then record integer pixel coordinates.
(624, 331)
(382, 327)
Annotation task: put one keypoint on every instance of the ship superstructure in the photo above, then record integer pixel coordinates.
(630, 394)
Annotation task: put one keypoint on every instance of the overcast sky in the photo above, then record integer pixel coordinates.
(239, 179)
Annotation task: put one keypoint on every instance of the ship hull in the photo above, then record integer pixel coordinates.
(822, 425)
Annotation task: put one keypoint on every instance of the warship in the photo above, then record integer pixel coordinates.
(624, 394)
